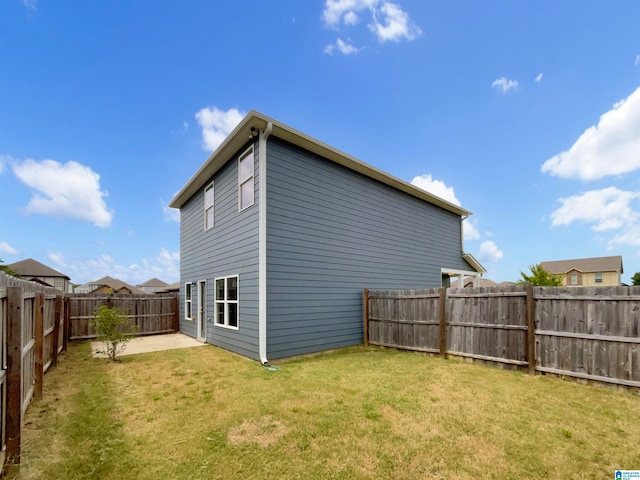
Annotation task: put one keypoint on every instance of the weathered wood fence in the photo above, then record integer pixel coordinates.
(32, 325)
(591, 333)
(151, 314)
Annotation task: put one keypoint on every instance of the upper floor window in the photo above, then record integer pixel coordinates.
(574, 279)
(598, 277)
(208, 206)
(246, 191)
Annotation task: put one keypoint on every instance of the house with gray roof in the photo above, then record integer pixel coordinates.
(280, 233)
(152, 285)
(30, 269)
(587, 272)
(109, 285)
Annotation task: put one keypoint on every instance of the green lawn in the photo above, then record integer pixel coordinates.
(353, 413)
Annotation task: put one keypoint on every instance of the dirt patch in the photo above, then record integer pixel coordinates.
(265, 431)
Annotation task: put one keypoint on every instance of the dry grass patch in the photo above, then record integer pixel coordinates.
(358, 413)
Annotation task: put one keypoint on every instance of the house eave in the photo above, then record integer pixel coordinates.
(471, 260)
(243, 133)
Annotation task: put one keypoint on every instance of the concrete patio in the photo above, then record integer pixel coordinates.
(152, 343)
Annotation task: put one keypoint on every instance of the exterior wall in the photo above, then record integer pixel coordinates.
(331, 233)
(588, 279)
(230, 247)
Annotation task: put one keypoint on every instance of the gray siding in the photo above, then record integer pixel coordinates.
(331, 233)
(229, 248)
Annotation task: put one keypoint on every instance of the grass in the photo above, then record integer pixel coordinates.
(356, 413)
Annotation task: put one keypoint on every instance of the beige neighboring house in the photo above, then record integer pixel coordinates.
(152, 286)
(588, 272)
(35, 271)
(109, 285)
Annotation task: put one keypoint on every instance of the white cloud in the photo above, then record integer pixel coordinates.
(165, 266)
(182, 130)
(389, 22)
(538, 78)
(7, 249)
(637, 60)
(30, 4)
(217, 125)
(171, 214)
(350, 18)
(337, 11)
(489, 252)
(630, 236)
(505, 84)
(3, 161)
(342, 46)
(609, 148)
(608, 209)
(68, 190)
(436, 187)
(470, 229)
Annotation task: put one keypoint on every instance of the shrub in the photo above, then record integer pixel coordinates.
(113, 328)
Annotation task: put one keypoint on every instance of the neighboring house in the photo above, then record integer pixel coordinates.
(587, 272)
(475, 282)
(33, 270)
(280, 233)
(152, 286)
(171, 288)
(109, 285)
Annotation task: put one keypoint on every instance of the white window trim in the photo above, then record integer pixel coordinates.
(226, 303)
(213, 221)
(251, 178)
(595, 277)
(188, 287)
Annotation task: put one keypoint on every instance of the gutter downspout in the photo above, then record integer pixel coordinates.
(262, 243)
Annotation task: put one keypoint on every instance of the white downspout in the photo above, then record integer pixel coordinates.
(262, 243)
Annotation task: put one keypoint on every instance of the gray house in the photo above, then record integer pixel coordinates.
(280, 233)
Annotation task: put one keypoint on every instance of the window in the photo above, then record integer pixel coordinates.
(208, 206)
(598, 278)
(245, 179)
(227, 302)
(574, 279)
(188, 315)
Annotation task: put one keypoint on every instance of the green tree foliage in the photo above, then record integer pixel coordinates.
(540, 277)
(113, 328)
(6, 269)
(635, 280)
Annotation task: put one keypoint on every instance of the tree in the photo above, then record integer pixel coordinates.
(6, 269)
(540, 277)
(635, 280)
(113, 328)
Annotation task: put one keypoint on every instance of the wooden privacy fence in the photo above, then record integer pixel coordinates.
(151, 314)
(591, 333)
(32, 326)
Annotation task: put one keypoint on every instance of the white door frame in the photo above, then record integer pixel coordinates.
(201, 318)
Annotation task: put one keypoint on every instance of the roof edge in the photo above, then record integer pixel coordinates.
(242, 133)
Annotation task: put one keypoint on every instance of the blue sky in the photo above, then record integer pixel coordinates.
(525, 112)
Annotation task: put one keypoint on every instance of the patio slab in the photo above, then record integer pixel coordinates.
(152, 343)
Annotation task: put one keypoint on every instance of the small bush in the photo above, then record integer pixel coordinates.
(113, 328)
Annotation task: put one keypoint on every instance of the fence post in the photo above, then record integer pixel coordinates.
(443, 322)
(176, 313)
(65, 322)
(39, 346)
(56, 331)
(531, 329)
(14, 374)
(365, 315)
